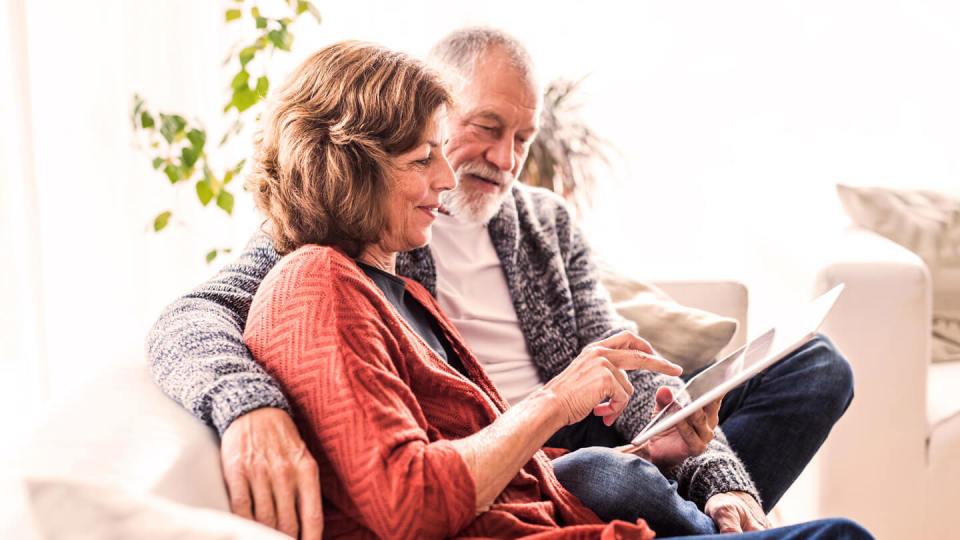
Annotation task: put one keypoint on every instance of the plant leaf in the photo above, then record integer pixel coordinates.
(161, 221)
(246, 54)
(232, 14)
(204, 193)
(302, 6)
(146, 121)
(281, 39)
(189, 155)
(197, 138)
(157, 162)
(225, 201)
(240, 79)
(171, 125)
(263, 84)
(244, 98)
(211, 255)
(173, 173)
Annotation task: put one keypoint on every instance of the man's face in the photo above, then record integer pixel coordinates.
(494, 120)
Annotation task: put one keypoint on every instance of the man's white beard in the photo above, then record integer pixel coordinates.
(473, 207)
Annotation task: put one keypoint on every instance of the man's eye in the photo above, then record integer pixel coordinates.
(486, 128)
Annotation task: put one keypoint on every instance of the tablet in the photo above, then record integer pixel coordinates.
(739, 366)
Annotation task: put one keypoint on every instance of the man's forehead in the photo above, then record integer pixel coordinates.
(499, 88)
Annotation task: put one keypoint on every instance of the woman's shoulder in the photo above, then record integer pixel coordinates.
(316, 259)
(313, 268)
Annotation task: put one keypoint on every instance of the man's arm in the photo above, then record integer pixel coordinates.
(196, 348)
(198, 358)
(718, 469)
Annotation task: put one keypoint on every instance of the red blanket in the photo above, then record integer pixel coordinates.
(377, 408)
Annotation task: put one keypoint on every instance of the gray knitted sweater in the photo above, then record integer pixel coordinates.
(199, 359)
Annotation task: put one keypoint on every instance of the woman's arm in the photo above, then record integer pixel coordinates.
(496, 453)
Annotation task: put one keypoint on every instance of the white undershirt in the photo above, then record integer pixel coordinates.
(472, 291)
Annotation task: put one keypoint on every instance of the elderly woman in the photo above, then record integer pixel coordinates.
(411, 437)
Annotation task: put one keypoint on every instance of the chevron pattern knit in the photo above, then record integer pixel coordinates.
(378, 407)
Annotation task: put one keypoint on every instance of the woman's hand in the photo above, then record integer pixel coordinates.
(595, 381)
(270, 474)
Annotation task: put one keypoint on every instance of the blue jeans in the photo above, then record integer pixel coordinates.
(822, 529)
(775, 422)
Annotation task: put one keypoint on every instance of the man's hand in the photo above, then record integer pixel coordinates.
(688, 438)
(736, 511)
(270, 474)
(595, 381)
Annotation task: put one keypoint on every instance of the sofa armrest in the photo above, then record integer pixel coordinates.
(120, 430)
(870, 468)
(727, 298)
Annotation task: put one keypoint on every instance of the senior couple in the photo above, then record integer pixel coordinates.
(392, 353)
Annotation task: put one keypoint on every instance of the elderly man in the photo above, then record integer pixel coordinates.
(515, 276)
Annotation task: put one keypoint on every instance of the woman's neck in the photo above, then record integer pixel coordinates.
(376, 256)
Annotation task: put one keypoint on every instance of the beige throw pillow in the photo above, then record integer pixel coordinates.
(928, 224)
(690, 337)
(925, 222)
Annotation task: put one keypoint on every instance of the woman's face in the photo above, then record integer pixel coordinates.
(418, 177)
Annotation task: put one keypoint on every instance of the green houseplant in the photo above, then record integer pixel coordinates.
(179, 148)
(566, 149)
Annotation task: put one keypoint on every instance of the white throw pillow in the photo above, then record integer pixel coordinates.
(688, 336)
(68, 510)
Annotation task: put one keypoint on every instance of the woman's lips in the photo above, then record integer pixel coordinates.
(429, 210)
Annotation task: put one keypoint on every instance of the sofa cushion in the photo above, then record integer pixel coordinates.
(688, 336)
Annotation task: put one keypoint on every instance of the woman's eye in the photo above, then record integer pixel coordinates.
(424, 162)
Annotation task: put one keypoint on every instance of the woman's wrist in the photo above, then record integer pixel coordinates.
(548, 407)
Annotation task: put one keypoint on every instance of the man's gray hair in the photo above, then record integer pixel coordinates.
(456, 54)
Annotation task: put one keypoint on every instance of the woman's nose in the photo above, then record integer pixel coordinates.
(446, 179)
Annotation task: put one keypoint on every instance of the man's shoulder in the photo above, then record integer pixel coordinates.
(542, 206)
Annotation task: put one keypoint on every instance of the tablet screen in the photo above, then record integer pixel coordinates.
(722, 370)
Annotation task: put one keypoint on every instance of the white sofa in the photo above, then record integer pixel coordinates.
(893, 461)
(122, 432)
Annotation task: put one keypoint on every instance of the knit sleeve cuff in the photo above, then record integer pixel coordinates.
(236, 395)
(717, 472)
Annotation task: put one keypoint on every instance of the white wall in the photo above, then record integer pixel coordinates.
(734, 121)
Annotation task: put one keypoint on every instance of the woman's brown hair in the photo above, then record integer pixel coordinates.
(321, 159)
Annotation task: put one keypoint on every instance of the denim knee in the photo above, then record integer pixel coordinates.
(843, 529)
(834, 375)
(598, 474)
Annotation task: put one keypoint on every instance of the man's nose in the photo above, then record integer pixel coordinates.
(502, 155)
